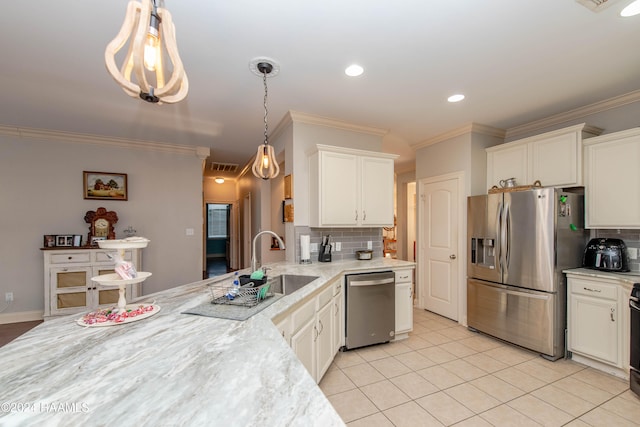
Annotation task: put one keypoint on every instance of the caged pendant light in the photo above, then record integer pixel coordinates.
(150, 32)
(265, 165)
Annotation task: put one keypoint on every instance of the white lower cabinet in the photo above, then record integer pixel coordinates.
(404, 303)
(338, 317)
(68, 288)
(315, 329)
(597, 323)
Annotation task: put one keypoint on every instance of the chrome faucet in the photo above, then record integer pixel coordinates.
(254, 263)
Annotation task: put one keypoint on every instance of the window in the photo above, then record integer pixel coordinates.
(217, 218)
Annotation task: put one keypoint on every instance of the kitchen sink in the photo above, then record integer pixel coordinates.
(289, 283)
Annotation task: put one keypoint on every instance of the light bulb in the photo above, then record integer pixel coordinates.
(265, 159)
(151, 50)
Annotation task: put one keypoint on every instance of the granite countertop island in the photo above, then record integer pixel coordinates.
(171, 368)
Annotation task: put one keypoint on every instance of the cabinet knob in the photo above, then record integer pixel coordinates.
(452, 256)
(612, 311)
(70, 257)
(364, 215)
(356, 215)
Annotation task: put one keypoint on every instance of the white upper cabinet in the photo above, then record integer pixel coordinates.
(350, 188)
(553, 158)
(612, 180)
(507, 162)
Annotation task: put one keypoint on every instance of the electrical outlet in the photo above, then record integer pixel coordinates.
(8, 297)
(338, 246)
(313, 247)
(369, 245)
(633, 253)
(189, 231)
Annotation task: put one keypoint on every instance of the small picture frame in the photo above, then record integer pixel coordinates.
(49, 241)
(64, 240)
(105, 185)
(77, 240)
(94, 239)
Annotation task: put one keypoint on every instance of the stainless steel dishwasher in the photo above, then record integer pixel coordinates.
(371, 309)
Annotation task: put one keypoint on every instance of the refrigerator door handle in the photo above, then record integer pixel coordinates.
(507, 234)
(498, 254)
(503, 238)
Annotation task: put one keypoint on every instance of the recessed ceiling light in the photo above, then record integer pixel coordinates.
(631, 10)
(354, 70)
(455, 98)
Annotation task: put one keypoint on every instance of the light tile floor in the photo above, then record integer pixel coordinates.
(444, 374)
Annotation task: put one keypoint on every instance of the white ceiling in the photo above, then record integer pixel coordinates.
(515, 60)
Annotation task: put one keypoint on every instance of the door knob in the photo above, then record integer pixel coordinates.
(452, 256)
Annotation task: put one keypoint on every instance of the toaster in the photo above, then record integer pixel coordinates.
(606, 254)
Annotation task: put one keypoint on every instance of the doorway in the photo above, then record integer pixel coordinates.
(218, 238)
(441, 228)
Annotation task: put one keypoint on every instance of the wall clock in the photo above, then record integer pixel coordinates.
(101, 224)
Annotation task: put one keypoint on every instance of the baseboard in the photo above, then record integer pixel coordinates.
(21, 316)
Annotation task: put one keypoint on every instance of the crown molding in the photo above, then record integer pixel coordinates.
(80, 138)
(576, 113)
(463, 130)
(298, 117)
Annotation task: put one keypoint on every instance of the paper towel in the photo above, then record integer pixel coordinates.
(305, 247)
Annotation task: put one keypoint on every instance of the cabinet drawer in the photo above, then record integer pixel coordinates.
(302, 315)
(404, 276)
(593, 288)
(70, 257)
(325, 296)
(104, 257)
(337, 286)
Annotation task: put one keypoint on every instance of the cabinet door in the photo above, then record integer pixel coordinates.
(324, 343)
(507, 162)
(612, 175)
(376, 192)
(303, 343)
(69, 289)
(284, 328)
(338, 322)
(404, 307)
(338, 189)
(106, 294)
(593, 328)
(556, 161)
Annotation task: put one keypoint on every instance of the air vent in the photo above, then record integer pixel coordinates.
(596, 5)
(224, 167)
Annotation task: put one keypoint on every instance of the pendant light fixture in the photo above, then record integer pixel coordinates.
(151, 34)
(265, 165)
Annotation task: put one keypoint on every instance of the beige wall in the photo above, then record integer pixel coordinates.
(41, 193)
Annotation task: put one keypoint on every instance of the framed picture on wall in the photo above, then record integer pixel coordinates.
(105, 185)
(288, 187)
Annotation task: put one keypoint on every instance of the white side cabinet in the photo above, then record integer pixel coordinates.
(404, 303)
(598, 323)
(612, 176)
(350, 188)
(68, 287)
(315, 328)
(554, 158)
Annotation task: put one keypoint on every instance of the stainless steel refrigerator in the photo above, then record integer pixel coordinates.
(518, 244)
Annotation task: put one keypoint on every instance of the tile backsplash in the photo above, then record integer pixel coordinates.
(631, 239)
(352, 240)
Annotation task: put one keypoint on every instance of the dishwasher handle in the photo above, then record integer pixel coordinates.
(373, 282)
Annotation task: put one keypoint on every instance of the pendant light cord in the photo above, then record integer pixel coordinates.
(264, 80)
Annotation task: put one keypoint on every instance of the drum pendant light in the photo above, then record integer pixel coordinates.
(265, 165)
(152, 36)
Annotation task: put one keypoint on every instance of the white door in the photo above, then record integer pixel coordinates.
(439, 256)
